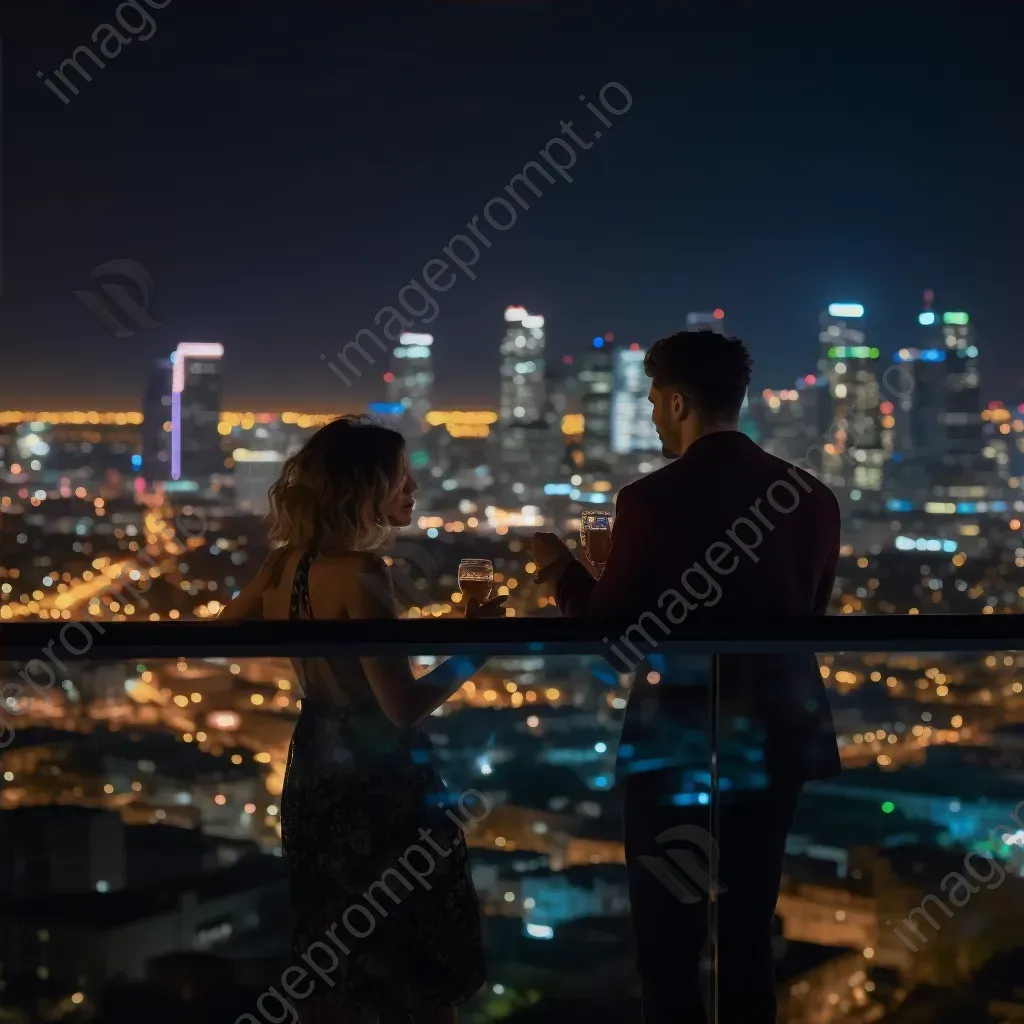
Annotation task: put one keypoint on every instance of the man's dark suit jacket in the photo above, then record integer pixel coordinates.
(722, 536)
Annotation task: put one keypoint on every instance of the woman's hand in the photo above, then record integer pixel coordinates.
(493, 609)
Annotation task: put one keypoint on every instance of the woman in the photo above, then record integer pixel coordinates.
(360, 786)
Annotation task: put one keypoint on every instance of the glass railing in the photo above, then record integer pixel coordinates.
(144, 873)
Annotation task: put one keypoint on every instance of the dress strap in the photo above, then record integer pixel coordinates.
(300, 588)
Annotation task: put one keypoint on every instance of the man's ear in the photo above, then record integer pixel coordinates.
(680, 407)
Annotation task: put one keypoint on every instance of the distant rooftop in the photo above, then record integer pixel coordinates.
(112, 910)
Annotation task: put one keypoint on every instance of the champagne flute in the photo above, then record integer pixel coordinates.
(476, 578)
(596, 537)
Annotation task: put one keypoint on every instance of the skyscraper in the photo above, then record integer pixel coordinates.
(853, 459)
(939, 426)
(411, 380)
(597, 379)
(156, 412)
(962, 419)
(562, 389)
(919, 396)
(713, 321)
(790, 423)
(195, 411)
(631, 427)
(522, 368)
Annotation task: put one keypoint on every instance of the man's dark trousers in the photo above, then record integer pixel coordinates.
(671, 927)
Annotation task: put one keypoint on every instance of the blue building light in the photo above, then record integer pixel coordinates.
(540, 931)
(925, 355)
(599, 343)
(136, 462)
(966, 506)
(558, 489)
(387, 408)
(926, 319)
(899, 505)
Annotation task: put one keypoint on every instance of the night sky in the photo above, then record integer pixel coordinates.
(284, 169)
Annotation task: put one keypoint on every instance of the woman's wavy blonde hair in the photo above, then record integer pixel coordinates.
(333, 487)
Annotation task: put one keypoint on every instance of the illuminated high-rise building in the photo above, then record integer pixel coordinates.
(938, 416)
(790, 423)
(713, 321)
(522, 368)
(411, 380)
(631, 427)
(562, 389)
(854, 457)
(962, 416)
(156, 423)
(597, 380)
(917, 394)
(196, 452)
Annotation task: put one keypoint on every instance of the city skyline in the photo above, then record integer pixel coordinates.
(376, 381)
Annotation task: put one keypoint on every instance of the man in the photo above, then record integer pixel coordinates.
(722, 536)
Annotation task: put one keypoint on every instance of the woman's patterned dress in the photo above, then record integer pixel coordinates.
(379, 871)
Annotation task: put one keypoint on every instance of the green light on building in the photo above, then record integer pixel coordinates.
(888, 807)
(419, 460)
(837, 352)
(873, 353)
(955, 318)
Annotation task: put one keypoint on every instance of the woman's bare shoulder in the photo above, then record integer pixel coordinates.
(350, 568)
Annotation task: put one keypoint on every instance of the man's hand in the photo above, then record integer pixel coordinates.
(550, 554)
(493, 609)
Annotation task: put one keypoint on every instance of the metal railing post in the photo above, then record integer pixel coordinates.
(714, 814)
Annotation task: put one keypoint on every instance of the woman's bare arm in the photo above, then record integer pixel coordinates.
(405, 699)
(249, 602)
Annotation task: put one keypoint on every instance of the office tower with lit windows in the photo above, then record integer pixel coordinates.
(196, 453)
(790, 423)
(562, 389)
(631, 427)
(938, 417)
(597, 381)
(713, 321)
(854, 457)
(917, 394)
(411, 380)
(962, 421)
(522, 368)
(156, 423)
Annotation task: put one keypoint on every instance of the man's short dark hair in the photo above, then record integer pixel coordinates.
(712, 370)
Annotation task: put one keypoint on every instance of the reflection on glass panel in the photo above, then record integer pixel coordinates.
(903, 882)
(140, 793)
(131, 791)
